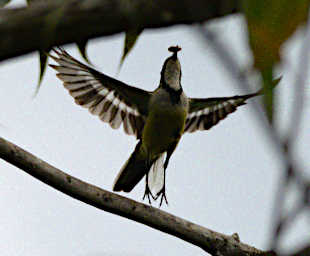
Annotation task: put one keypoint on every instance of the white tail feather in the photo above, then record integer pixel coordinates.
(156, 175)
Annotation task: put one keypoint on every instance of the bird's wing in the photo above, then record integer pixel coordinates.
(205, 113)
(113, 101)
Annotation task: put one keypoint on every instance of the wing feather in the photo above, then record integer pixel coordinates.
(205, 113)
(112, 101)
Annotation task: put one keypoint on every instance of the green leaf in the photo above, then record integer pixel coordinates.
(43, 61)
(268, 97)
(270, 24)
(82, 49)
(4, 2)
(50, 23)
(130, 40)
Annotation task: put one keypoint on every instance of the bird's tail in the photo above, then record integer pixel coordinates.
(132, 171)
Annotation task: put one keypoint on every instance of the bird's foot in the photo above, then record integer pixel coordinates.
(162, 195)
(148, 194)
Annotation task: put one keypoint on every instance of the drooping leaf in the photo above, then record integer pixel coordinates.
(51, 22)
(130, 40)
(270, 24)
(42, 56)
(4, 2)
(268, 96)
(81, 44)
(43, 60)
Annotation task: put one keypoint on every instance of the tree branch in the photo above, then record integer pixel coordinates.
(305, 251)
(41, 26)
(208, 240)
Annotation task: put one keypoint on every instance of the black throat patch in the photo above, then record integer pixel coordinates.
(175, 96)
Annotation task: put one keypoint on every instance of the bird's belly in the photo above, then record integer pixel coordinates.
(163, 128)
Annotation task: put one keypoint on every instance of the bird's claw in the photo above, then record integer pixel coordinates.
(148, 194)
(162, 195)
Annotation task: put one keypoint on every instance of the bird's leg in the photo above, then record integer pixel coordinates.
(148, 192)
(162, 192)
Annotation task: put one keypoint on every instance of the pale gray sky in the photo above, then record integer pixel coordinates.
(223, 179)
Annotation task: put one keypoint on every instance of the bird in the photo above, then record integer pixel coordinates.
(157, 119)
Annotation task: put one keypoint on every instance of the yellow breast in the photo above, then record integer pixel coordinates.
(163, 128)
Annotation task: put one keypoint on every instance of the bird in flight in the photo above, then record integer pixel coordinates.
(157, 119)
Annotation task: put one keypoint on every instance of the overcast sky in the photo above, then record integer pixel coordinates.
(224, 179)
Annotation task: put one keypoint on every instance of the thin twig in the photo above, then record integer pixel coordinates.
(210, 39)
(292, 174)
(299, 88)
(292, 169)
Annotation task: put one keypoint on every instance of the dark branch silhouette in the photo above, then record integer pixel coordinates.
(67, 21)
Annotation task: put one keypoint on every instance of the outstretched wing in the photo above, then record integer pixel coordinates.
(205, 113)
(113, 101)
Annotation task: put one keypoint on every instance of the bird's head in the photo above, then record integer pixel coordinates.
(171, 71)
